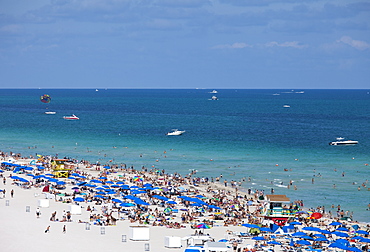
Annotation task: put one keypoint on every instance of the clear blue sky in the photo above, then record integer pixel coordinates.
(185, 44)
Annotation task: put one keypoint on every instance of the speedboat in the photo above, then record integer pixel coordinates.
(286, 106)
(341, 141)
(72, 117)
(175, 132)
(213, 92)
(214, 98)
(50, 112)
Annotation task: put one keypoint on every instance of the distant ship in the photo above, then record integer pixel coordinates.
(213, 92)
(175, 132)
(341, 141)
(72, 117)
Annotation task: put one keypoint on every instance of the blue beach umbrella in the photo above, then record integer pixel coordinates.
(298, 234)
(266, 229)
(295, 223)
(79, 199)
(250, 225)
(335, 223)
(341, 234)
(259, 238)
(125, 204)
(342, 229)
(311, 229)
(273, 243)
(117, 200)
(303, 242)
(362, 232)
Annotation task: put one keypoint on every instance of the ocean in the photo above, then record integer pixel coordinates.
(245, 134)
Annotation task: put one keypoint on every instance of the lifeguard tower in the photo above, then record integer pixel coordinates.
(62, 168)
(274, 209)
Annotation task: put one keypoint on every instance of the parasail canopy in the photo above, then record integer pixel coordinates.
(45, 98)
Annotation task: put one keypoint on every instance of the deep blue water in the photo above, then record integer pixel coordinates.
(245, 133)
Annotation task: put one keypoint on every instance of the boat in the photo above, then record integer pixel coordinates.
(175, 132)
(214, 98)
(286, 106)
(72, 117)
(213, 92)
(50, 112)
(341, 141)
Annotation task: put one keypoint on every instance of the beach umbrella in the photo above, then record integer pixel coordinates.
(138, 178)
(223, 240)
(117, 200)
(316, 216)
(357, 238)
(171, 202)
(367, 240)
(125, 204)
(259, 238)
(103, 178)
(203, 226)
(362, 232)
(120, 183)
(95, 181)
(341, 234)
(99, 196)
(324, 231)
(295, 223)
(266, 229)
(250, 225)
(79, 199)
(321, 239)
(319, 235)
(167, 210)
(298, 234)
(303, 242)
(61, 183)
(75, 188)
(109, 182)
(273, 243)
(311, 229)
(335, 223)
(306, 237)
(342, 229)
(214, 207)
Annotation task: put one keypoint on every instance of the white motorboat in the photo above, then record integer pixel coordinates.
(50, 112)
(214, 98)
(213, 92)
(341, 141)
(286, 106)
(72, 117)
(175, 132)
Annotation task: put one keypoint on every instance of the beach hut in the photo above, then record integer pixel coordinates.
(274, 209)
(62, 168)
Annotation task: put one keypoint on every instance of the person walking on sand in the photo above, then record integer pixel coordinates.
(47, 230)
(12, 193)
(64, 229)
(38, 212)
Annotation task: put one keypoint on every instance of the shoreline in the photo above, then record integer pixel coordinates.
(234, 204)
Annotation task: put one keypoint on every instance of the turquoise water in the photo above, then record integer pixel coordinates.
(245, 133)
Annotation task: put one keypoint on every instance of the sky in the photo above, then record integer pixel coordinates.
(242, 44)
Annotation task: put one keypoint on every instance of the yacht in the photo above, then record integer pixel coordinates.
(50, 112)
(175, 132)
(213, 92)
(286, 106)
(341, 141)
(72, 117)
(214, 98)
